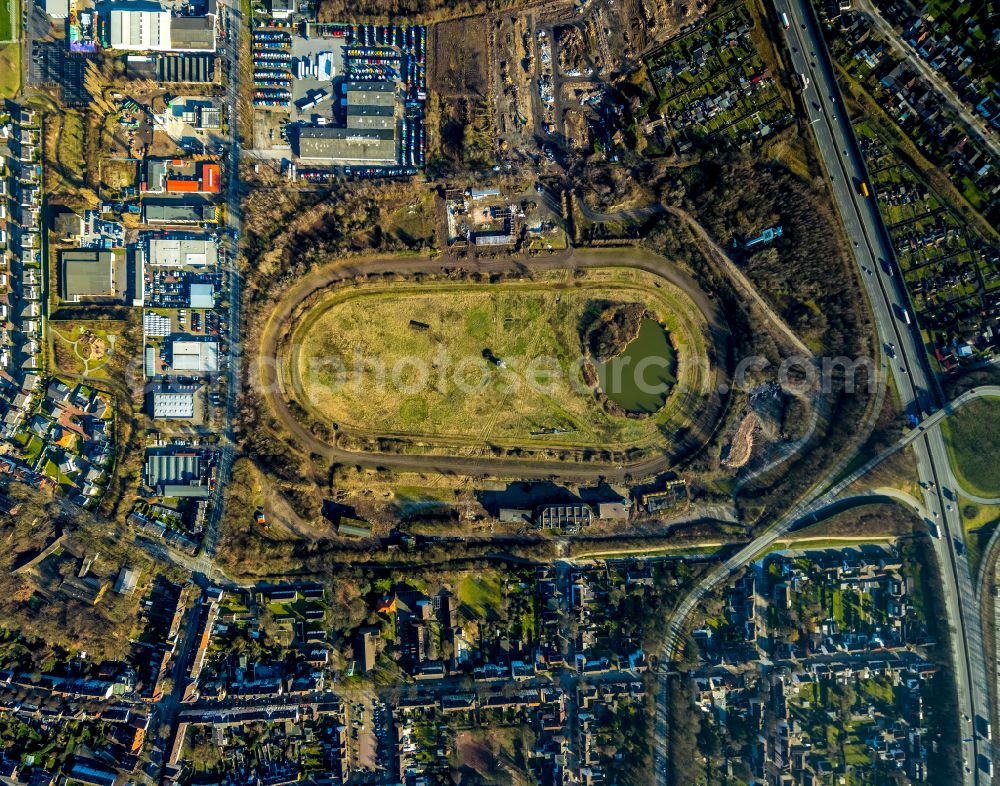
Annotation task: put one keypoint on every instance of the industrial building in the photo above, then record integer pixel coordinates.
(57, 9)
(158, 31)
(176, 474)
(182, 252)
(201, 296)
(178, 176)
(87, 273)
(370, 135)
(376, 147)
(179, 213)
(173, 406)
(192, 68)
(200, 357)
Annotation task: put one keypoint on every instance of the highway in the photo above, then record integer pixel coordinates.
(916, 384)
(915, 381)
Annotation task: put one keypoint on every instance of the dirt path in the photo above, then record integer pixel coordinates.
(265, 373)
(739, 279)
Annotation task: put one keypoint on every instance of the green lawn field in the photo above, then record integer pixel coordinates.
(481, 364)
(973, 434)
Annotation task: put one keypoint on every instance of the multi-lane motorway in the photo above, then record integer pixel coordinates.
(915, 381)
(916, 385)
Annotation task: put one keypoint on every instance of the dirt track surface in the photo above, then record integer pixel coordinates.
(265, 375)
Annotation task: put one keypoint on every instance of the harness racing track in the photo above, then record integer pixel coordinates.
(491, 432)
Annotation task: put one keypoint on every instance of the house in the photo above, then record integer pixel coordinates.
(364, 648)
(128, 577)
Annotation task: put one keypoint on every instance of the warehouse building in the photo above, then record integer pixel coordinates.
(199, 357)
(157, 31)
(181, 176)
(370, 93)
(376, 147)
(87, 273)
(182, 252)
(176, 213)
(139, 30)
(176, 475)
(369, 136)
(173, 406)
(167, 468)
(171, 68)
(201, 296)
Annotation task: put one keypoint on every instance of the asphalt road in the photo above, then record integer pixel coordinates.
(915, 381)
(234, 24)
(932, 77)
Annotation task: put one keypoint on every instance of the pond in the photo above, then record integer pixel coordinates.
(640, 378)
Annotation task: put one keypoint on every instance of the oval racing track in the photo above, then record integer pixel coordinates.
(265, 373)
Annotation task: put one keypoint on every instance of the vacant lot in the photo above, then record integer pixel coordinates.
(476, 364)
(973, 434)
(458, 64)
(10, 70)
(9, 10)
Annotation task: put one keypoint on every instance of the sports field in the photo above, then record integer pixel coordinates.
(483, 364)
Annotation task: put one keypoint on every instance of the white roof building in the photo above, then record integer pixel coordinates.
(57, 9)
(140, 30)
(182, 252)
(195, 356)
(202, 296)
(173, 405)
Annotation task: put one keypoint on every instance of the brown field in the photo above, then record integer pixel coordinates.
(458, 58)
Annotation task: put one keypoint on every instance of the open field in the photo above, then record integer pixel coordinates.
(972, 435)
(10, 11)
(10, 70)
(483, 365)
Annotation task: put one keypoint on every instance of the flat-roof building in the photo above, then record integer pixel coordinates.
(170, 406)
(155, 30)
(139, 30)
(57, 9)
(371, 93)
(371, 116)
(182, 252)
(87, 273)
(201, 296)
(370, 133)
(195, 356)
(179, 213)
(564, 516)
(192, 33)
(373, 146)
